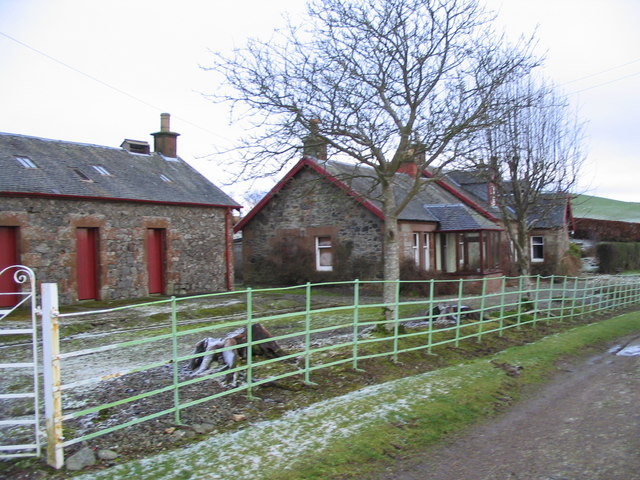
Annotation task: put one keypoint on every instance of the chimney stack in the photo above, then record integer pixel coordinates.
(313, 145)
(414, 158)
(165, 141)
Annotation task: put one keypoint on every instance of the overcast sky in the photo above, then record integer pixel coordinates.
(101, 71)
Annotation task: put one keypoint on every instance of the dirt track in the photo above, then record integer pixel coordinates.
(584, 425)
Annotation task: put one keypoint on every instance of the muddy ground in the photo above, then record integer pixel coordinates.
(583, 425)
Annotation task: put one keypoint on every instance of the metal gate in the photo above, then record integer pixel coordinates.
(19, 406)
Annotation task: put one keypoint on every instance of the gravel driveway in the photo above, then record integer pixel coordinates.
(584, 425)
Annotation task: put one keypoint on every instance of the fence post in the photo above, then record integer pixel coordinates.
(583, 298)
(307, 336)
(396, 321)
(459, 317)
(51, 374)
(574, 300)
(519, 299)
(564, 298)
(536, 301)
(502, 299)
(249, 358)
(481, 313)
(550, 310)
(356, 313)
(174, 350)
(430, 315)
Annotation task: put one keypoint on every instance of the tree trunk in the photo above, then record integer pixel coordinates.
(391, 253)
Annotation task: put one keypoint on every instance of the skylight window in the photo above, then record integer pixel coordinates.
(26, 162)
(101, 170)
(165, 178)
(82, 176)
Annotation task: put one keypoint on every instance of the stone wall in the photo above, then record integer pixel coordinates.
(556, 245)
(278, 243)
(195, 250)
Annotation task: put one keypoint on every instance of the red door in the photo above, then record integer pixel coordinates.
(8, 257)
(155, 259)
(87, 263)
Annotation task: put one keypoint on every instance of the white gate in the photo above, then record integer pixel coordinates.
(19, 406)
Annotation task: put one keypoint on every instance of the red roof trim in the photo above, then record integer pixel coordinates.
(462, 197)
(112, 199)
(569, 218)
(307, 162)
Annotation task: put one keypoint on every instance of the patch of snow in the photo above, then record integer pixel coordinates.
(275, 444)
(614, 349)
(630, 351)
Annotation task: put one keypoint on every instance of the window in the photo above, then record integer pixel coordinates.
(537, 249)
(101, 170)
(81, 174)
(421, 254)
(470, 255)
(324, 254)
(165, 178)
(26, 162)
(426, 246)
(492, 250)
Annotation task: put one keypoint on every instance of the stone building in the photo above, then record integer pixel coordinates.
(112, 223)
(551, 222)
(321, 222)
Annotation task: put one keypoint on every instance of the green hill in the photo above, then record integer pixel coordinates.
(586, 206)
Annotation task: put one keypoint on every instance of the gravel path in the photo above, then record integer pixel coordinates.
(584, 425)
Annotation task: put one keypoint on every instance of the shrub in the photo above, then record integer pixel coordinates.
(574, 250)
(409, 271)
(615, 257)
(570, 265)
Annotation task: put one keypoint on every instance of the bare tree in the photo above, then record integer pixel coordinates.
(373, 79)
(532, 160)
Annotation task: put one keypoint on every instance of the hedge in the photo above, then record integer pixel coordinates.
(615, 257)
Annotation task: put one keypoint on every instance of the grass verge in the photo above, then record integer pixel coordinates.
(349, 435)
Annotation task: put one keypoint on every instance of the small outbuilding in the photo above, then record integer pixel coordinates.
(112, 223)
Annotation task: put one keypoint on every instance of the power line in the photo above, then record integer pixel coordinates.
(105, 84)
(601, 72)
(605, 83)
(204, 129)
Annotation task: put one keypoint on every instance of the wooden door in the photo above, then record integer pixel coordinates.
(8, 257)
(87, 263)
(155, 259)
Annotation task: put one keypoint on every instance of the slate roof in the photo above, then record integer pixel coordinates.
(454, 217)
(432, 203)
(551, 211)
(62, 165)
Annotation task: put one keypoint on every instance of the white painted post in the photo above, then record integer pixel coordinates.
(51, 374)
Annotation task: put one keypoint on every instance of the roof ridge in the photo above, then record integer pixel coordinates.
(54, 140)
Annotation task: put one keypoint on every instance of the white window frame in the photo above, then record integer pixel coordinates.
(26, 162)
(426, 247)
(101, 170)
(537, 240)
(320, 250)
(416, 249)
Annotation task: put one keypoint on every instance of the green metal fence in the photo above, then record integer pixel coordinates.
(326, 325)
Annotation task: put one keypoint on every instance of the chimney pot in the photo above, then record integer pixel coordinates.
(165, 119)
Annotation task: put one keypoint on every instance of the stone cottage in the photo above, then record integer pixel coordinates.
(111, 223)
(322, 222)
(551, 223)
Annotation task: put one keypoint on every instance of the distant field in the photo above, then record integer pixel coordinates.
(585, 206)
